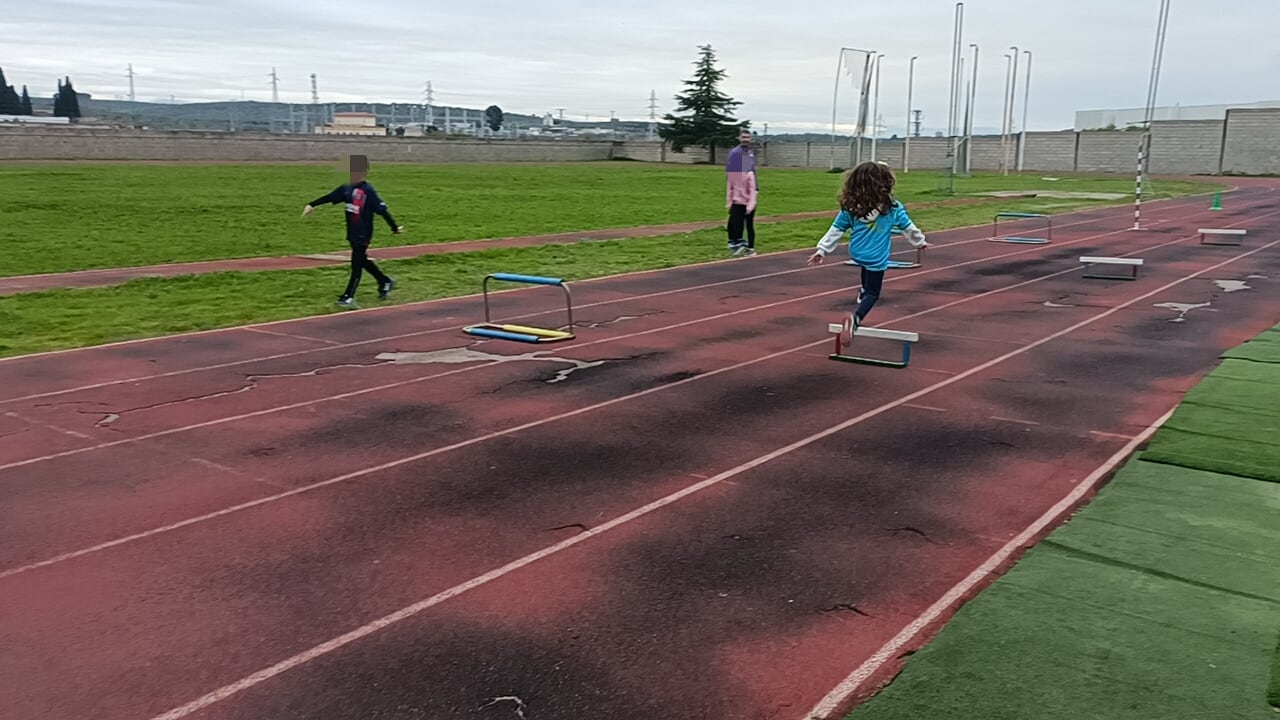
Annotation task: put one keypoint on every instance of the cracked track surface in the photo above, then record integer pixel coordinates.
(373, 515)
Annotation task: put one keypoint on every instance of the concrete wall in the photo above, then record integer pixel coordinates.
(1108, 152)
(1247, 143)
(1188, 147)
(79, 144)
(1050, 152)
(1252, 142)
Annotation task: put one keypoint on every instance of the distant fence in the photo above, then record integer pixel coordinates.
(1247, 142)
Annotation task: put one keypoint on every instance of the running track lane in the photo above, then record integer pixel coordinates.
(31, 377)
(76, 509)
(684, 613)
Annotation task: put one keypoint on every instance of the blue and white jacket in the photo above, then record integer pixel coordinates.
(870, 238)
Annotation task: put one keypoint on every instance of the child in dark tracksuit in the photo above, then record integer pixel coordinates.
(362, 203)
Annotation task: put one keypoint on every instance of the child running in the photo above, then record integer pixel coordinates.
(362, 203)
(869, 214)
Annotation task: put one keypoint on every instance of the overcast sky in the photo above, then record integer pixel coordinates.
(595, 57)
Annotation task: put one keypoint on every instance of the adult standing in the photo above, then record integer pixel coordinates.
(741, 195)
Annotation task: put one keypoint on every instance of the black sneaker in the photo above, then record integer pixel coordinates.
(385, 288)
(346, 302)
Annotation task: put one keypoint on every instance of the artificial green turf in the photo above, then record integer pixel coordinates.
(65, 217)
(1230, 423)
(1263, 349)
(1273, 690)
(1159, 600)
(148, 307)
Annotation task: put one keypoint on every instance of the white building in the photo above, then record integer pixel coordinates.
(1120, 118)
(35, 119)
(352, 123)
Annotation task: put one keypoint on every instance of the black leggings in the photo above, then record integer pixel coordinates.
(359, 262)
(739, 219)
(872, 282)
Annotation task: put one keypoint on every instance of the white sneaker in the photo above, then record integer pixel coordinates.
(850, 327)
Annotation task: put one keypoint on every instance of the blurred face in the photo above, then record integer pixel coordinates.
(357, 168)
(744, 139)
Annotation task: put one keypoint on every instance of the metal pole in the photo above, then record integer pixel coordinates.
(955, 82)
(1004, 119)
(906, 141)
(955, 77)
(973, 105)
(1144, 145)
(875, 112)
(834, 96)
(962, 94)
(1026, 103)
(1013, 88)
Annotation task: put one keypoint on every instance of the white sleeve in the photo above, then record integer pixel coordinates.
(914, 236)
(829, 241)
(839, 227)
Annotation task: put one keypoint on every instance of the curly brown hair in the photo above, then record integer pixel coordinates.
(867, 188)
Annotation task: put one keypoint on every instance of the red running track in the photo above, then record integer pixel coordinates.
(688, 512)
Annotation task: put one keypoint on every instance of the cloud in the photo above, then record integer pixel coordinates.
(593, 58)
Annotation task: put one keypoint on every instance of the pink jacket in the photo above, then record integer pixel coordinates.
(741, 189)
(740, 175)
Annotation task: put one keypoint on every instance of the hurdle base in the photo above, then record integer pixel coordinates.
(876, 362)
(1097, 276)
(1020, 240)
(517, 333)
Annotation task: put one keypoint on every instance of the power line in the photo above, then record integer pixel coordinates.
(653, 113)
(275, 86)
(429, 95)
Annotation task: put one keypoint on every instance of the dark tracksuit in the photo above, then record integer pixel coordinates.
(362, 203)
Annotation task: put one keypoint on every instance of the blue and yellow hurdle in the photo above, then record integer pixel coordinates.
(522, 333)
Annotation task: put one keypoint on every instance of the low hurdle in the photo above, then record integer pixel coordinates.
(1089, 272)
(995, 229)
(900, 264)
(522, 333)
(906, 338)
(1232, 236)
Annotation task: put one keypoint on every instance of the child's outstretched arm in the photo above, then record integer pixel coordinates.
(381, 208)
(903, 222)
(829, 241)
(329, 199)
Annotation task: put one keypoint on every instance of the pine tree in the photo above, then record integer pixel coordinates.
(60, 102)
(493, 117)
(26, 103)
(704, 114)
(8, 104)
(73, 101)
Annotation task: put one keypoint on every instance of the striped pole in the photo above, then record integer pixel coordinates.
(1137, 194)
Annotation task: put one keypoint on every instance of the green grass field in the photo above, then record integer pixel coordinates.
(66, 217)
(161, 306)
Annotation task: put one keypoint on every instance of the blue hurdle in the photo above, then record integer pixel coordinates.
(900, 264)
(522, 333)
(995, 228)
(906, 338)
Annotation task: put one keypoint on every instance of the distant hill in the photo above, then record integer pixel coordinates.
(254, 116)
